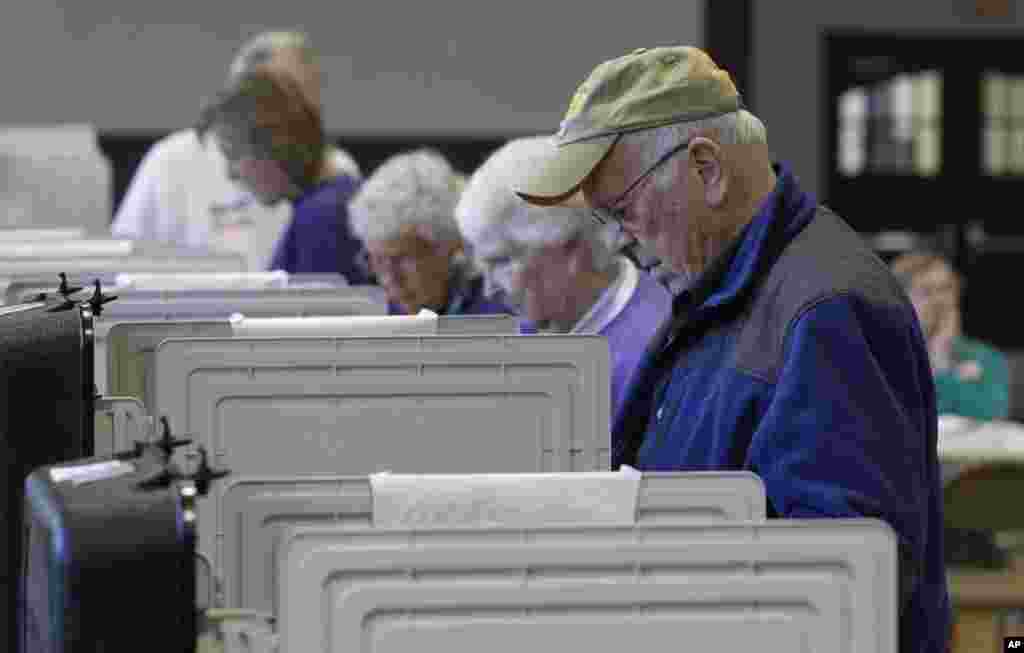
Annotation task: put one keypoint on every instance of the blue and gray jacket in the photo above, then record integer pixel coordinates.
(797, 356)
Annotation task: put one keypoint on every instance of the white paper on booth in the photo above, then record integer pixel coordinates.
(422, 324)
(504, 500)
(202, 281)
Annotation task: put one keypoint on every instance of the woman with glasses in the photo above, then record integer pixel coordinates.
(274, 143)
(557, 267)
(972, 378)
(404, 217)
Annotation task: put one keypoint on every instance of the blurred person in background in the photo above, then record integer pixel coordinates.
(972, 378)
(404, 217)
(556, 266)
(273, 142)
(181, 194)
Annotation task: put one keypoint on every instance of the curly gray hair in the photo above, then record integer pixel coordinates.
(414, 189)
(489, 208)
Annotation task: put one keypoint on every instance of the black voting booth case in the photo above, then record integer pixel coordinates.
(46, 413)
(109, 557)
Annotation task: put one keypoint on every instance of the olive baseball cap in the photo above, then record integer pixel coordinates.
(644, 89)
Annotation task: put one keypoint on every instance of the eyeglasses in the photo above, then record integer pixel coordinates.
(616, 214)
(512, 252)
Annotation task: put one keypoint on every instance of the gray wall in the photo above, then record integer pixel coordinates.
(787, 64)
(394, 66)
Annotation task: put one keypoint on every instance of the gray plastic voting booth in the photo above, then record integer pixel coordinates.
(129, 345)
(78, 247)
(146, 318)
(352, 406)
(126, 350)
(481, 393)
(204, 313)
(55, 177)
(29, 235)
(26, 266)
(167, 285)
(815, 586)
(140, 305)
(48, 268)
(253, 511)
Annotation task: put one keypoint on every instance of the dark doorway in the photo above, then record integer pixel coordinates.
(925, 133)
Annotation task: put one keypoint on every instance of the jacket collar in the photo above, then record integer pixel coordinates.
(732, 275)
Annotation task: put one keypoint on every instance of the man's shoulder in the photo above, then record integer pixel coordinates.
(181, 164)
(344, 162)
(826, 260)
(329, 198)
(183, 143)
(336, 191)
(182, 154)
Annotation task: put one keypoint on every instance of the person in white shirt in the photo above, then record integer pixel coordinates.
(181, 193)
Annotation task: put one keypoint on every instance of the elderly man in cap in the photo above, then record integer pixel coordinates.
(556, 267)
(792, 350)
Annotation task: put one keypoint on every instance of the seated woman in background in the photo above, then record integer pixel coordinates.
(557, 266)
(972, 378)
(404, 216)
(274, 143)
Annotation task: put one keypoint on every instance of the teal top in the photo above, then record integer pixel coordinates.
(977, 384)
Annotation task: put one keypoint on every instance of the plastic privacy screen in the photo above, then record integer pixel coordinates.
(354, 406)
(254, 511)
(814, 586)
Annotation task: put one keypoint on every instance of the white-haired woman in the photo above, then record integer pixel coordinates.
(556, 266)
(404, 216)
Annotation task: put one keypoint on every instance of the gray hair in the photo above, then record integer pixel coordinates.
(489, 207)
(261, 48)
(413, 189)
(735, 128)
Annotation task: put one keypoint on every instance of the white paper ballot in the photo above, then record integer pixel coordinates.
(505, 500)
(65, 249)
(422, 324)
(202, 281)
(964, 439)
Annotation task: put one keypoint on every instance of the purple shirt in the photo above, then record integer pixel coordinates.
(318, 239)
(628, 314)
(629, 332)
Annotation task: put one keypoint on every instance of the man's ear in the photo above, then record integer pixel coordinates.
(707, 160)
